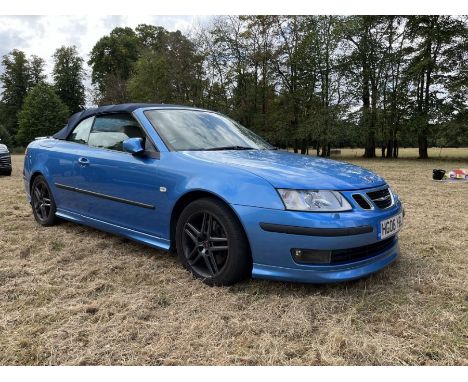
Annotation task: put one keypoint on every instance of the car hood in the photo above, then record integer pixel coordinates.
(288, 170)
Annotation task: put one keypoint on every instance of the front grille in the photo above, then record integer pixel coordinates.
(361, 201)
(340, 256)
(5, 160)
(381, 198)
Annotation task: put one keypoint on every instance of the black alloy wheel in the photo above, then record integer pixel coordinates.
(205, 244)
(211, 243)
(42, 202)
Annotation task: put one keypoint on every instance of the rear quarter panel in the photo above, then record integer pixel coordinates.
(35, 162)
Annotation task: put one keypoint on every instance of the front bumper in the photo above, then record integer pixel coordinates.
(271, 251)
(330, 274)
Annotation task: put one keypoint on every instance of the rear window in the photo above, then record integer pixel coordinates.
(80, 133)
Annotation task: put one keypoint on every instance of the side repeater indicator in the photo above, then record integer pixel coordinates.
(162, 189)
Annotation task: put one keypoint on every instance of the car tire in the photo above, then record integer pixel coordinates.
(43, 203)
(205, 228)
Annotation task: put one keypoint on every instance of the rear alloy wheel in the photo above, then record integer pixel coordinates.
(42, 201)
(211, 243)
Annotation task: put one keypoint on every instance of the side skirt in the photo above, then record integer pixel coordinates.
(152, 241)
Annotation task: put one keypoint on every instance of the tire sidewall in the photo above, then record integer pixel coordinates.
(51, 219)
(238, 260)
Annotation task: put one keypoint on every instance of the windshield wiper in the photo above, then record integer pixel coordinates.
(230, 148)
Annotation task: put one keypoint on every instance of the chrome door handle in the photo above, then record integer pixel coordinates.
(83, 161)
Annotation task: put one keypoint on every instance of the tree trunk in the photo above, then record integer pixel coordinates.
(369, 151)
(324, 151)
(422, 143)
(425, 89)
(390, 148)
(295, 147)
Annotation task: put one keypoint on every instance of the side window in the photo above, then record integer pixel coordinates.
(81, 132)
(109, 131)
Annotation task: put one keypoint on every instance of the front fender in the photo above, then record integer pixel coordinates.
(233, 185)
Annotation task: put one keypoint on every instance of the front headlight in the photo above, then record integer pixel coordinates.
(314, 200)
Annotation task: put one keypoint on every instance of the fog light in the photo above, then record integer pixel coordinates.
(298, 254)
(311, 256)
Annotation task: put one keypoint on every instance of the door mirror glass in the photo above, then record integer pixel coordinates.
(133, 146)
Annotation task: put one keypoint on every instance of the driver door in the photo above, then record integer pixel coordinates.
(118, 187)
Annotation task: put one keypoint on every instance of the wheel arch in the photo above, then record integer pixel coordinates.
(34, 175)
(190, 197)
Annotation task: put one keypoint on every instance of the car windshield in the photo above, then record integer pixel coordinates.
(184, 130)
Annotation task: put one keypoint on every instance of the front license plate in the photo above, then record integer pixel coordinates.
(390, 226)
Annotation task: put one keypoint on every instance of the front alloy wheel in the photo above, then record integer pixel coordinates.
(211, 243)
(205, 244)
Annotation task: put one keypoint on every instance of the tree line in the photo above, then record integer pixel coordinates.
(29, 106)
(306, 82)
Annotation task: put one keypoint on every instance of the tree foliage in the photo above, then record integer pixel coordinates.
(341, 80)
(16, 79)
(147, 64)
(112, 59)
(436, 43)
(168, 69)
(68, 75)
(43, 114)
(306, 82)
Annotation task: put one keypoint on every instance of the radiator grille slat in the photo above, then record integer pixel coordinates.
(381, 198)
(5, 160)
(361, 201)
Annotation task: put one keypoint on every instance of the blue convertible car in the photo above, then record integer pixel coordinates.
(200, 184)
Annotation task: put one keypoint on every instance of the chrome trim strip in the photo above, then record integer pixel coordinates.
(366, 198)
(105, 196)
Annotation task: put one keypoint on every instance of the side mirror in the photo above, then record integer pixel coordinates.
(133, 146)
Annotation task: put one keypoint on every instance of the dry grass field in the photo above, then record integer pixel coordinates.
(436, 153)
(73, 295)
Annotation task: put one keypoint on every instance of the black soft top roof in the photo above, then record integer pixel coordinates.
(121, 108)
